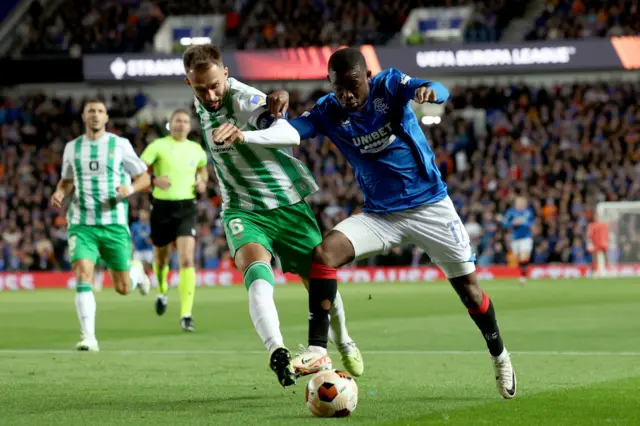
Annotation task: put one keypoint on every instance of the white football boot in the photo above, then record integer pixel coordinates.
(311, 360)
(88, 345)
(505, 375)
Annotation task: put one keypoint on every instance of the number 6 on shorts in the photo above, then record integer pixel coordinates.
(235, 225)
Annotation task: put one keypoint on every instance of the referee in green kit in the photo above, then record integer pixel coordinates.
(179, 172)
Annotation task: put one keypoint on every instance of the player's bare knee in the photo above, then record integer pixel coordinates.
(187, 262)
(83, 275)
(121, 284)
(468, 289)
(249, 253)
(323, 256)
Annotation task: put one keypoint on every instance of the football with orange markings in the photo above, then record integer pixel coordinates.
(332, 393)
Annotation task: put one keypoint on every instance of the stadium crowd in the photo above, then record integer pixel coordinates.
(122, 26)
(573, 19)
(112, 26)
(564, 148)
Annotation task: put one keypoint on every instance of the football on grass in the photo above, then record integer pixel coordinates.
(332, 393)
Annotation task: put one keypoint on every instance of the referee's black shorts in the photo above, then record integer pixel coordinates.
(172, 219)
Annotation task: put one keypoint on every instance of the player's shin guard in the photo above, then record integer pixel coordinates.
(162, 275)
(259, 280)
(323, 286)
(187, 288)
(485, 318)
(86, 309)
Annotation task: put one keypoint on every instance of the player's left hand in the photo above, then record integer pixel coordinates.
(125, 190)
(227, 134)
(424, 95)
(278, 103)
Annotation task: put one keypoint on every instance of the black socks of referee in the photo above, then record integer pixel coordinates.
(323, 286)
(485, 318)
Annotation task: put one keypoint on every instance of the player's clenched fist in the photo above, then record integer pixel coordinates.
(424, 95)
(57, 198)
(227, 134)
(278, 103)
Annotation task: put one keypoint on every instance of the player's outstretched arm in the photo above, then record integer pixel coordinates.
(279, 135)
(416, 89)
(305, 125)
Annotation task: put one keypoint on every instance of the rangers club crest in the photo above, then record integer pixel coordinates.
(380, 105)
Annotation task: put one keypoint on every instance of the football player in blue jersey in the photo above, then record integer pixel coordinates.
(371, 122)
(520, 220)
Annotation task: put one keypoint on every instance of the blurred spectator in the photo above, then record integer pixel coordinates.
(77, 27)
(572, 19)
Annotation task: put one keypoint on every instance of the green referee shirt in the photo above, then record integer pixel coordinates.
(177, 160)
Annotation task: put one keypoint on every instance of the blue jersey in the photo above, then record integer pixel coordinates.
(392, 161)
(524, 219)
(141, 233)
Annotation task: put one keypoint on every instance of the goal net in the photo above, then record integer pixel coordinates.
(623, 223)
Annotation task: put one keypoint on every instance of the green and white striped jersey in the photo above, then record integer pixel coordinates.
(97, 169)
(252, 177)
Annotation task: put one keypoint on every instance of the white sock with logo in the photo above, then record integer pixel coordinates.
(338, 333)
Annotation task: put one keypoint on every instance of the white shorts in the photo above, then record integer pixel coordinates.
(144, 256)
(435, 228)
(522, 247)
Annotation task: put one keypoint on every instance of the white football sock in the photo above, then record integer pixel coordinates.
(86, 309)
(264, 314)
(134, 274)
(338, 333)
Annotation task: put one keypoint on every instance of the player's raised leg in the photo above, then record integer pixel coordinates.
(437, 229)
(187, 286)
(251, 250)
(161, 258)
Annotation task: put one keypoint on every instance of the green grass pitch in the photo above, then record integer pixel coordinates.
(575, 346)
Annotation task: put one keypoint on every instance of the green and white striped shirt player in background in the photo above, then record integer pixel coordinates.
(263, 190)
(96, 173)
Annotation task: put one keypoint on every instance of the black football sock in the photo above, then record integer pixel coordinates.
(485, 318)
(323, 286)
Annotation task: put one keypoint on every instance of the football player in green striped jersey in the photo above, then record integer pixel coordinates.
(263, 190)
(96, 173)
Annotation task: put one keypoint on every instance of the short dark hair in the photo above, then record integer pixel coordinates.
(93, 101)
(200, 56)
(347, 60)
(180, 111)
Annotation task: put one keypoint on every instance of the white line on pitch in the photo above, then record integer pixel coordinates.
(372, 352)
